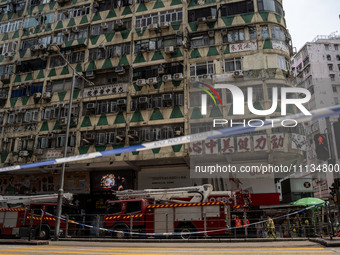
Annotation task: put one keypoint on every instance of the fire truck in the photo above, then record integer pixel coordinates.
(181, 212)
(33, 215)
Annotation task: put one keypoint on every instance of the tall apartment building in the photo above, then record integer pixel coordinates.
(140, 57)
(317, 68)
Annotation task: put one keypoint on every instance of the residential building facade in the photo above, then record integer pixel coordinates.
(139, 59)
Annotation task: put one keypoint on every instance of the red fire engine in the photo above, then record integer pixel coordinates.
(36, 217)
(163, 212)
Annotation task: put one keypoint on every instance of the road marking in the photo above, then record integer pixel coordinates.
(70, 251)
(179, 248)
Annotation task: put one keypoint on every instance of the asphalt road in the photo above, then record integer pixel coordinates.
(104, 248)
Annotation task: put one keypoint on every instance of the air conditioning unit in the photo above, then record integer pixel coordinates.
(63, 121)
(238, 74)
(90, 106)
(141, 82)
(152, 80)
(179, 33)
(38, 151)
(95, 5)
(75, 30)
(143, 100)
(42, 47)
(160, 70)
(119, 23)
(90, 75)
(5, 140)
(47, 95)
(211, 18)
(89, 136)
(121, 102)
(169, 49)
(68, 52)
(166, 77)
(62, 105)
(21, 110)
(206, 76)
(165, 24)
(178, 76)
(144, 48)
(211, 33)
(167, 97)
(6, 54)
(66, 31)
(153, 27)
(37, 95)
(104, 26)
(120, 70)
(101, 46)
(121, 135)
(224, 31)
(12, 54)
(30, 137)
(201, 20)
(178, 131)
(194, 79)
(23, 153)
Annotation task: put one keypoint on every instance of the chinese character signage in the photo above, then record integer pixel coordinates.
(279, 45)
(243, 144)
(245, 46)
(260, 143)
(105, 90)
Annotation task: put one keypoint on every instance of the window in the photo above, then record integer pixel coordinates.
(257, 93)
(306, 61)
(330, 67)
(194, 15)
(111, 4)
(33, 22)
(6, 69)
(329, 58)
(334, 89)
(237, 8)
(10, 26)
(134, 206)
(326, 46)
(27, 89)
(264, 32)
(77, 57)
(73, 12)
(283, 63)
(234, 36)
(145, 20)
(270, 5)
(109, 51)
(57, 61)
(252, 33)
(338, 57)
(8, 47)
(332, 77)
(31, 65)
(336, 47)
(60, 85)
(202, 40)
(81, 33)
(231, 65)
(339, 67)
(28, 44)
(114, 207)
(171, 15)
(202, 68)
(277, 33)
(104, 28)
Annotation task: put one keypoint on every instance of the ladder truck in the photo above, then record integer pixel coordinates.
(23, 216)
(181, 212)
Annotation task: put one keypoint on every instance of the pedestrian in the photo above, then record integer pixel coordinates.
(270, 227)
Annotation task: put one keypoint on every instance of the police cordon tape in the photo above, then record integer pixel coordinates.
(224, 132)
(186, 233)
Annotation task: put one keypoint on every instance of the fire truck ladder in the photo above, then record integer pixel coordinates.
(196, 193)
(21, 201)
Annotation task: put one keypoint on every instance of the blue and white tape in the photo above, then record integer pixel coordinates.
(224, 132)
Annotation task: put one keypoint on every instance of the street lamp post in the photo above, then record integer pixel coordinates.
(62, 174)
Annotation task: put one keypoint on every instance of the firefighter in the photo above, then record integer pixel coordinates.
(246, 223)
(270, 227)
(238, 222)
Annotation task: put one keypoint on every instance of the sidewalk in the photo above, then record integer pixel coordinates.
(24, 242)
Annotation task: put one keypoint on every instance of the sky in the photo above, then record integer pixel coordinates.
(308, 18)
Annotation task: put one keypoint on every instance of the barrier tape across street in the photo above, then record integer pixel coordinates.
(224, 132)
(190, 233)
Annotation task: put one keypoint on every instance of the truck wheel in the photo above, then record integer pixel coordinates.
(185, 232)
(120, 235)
(43, 234)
